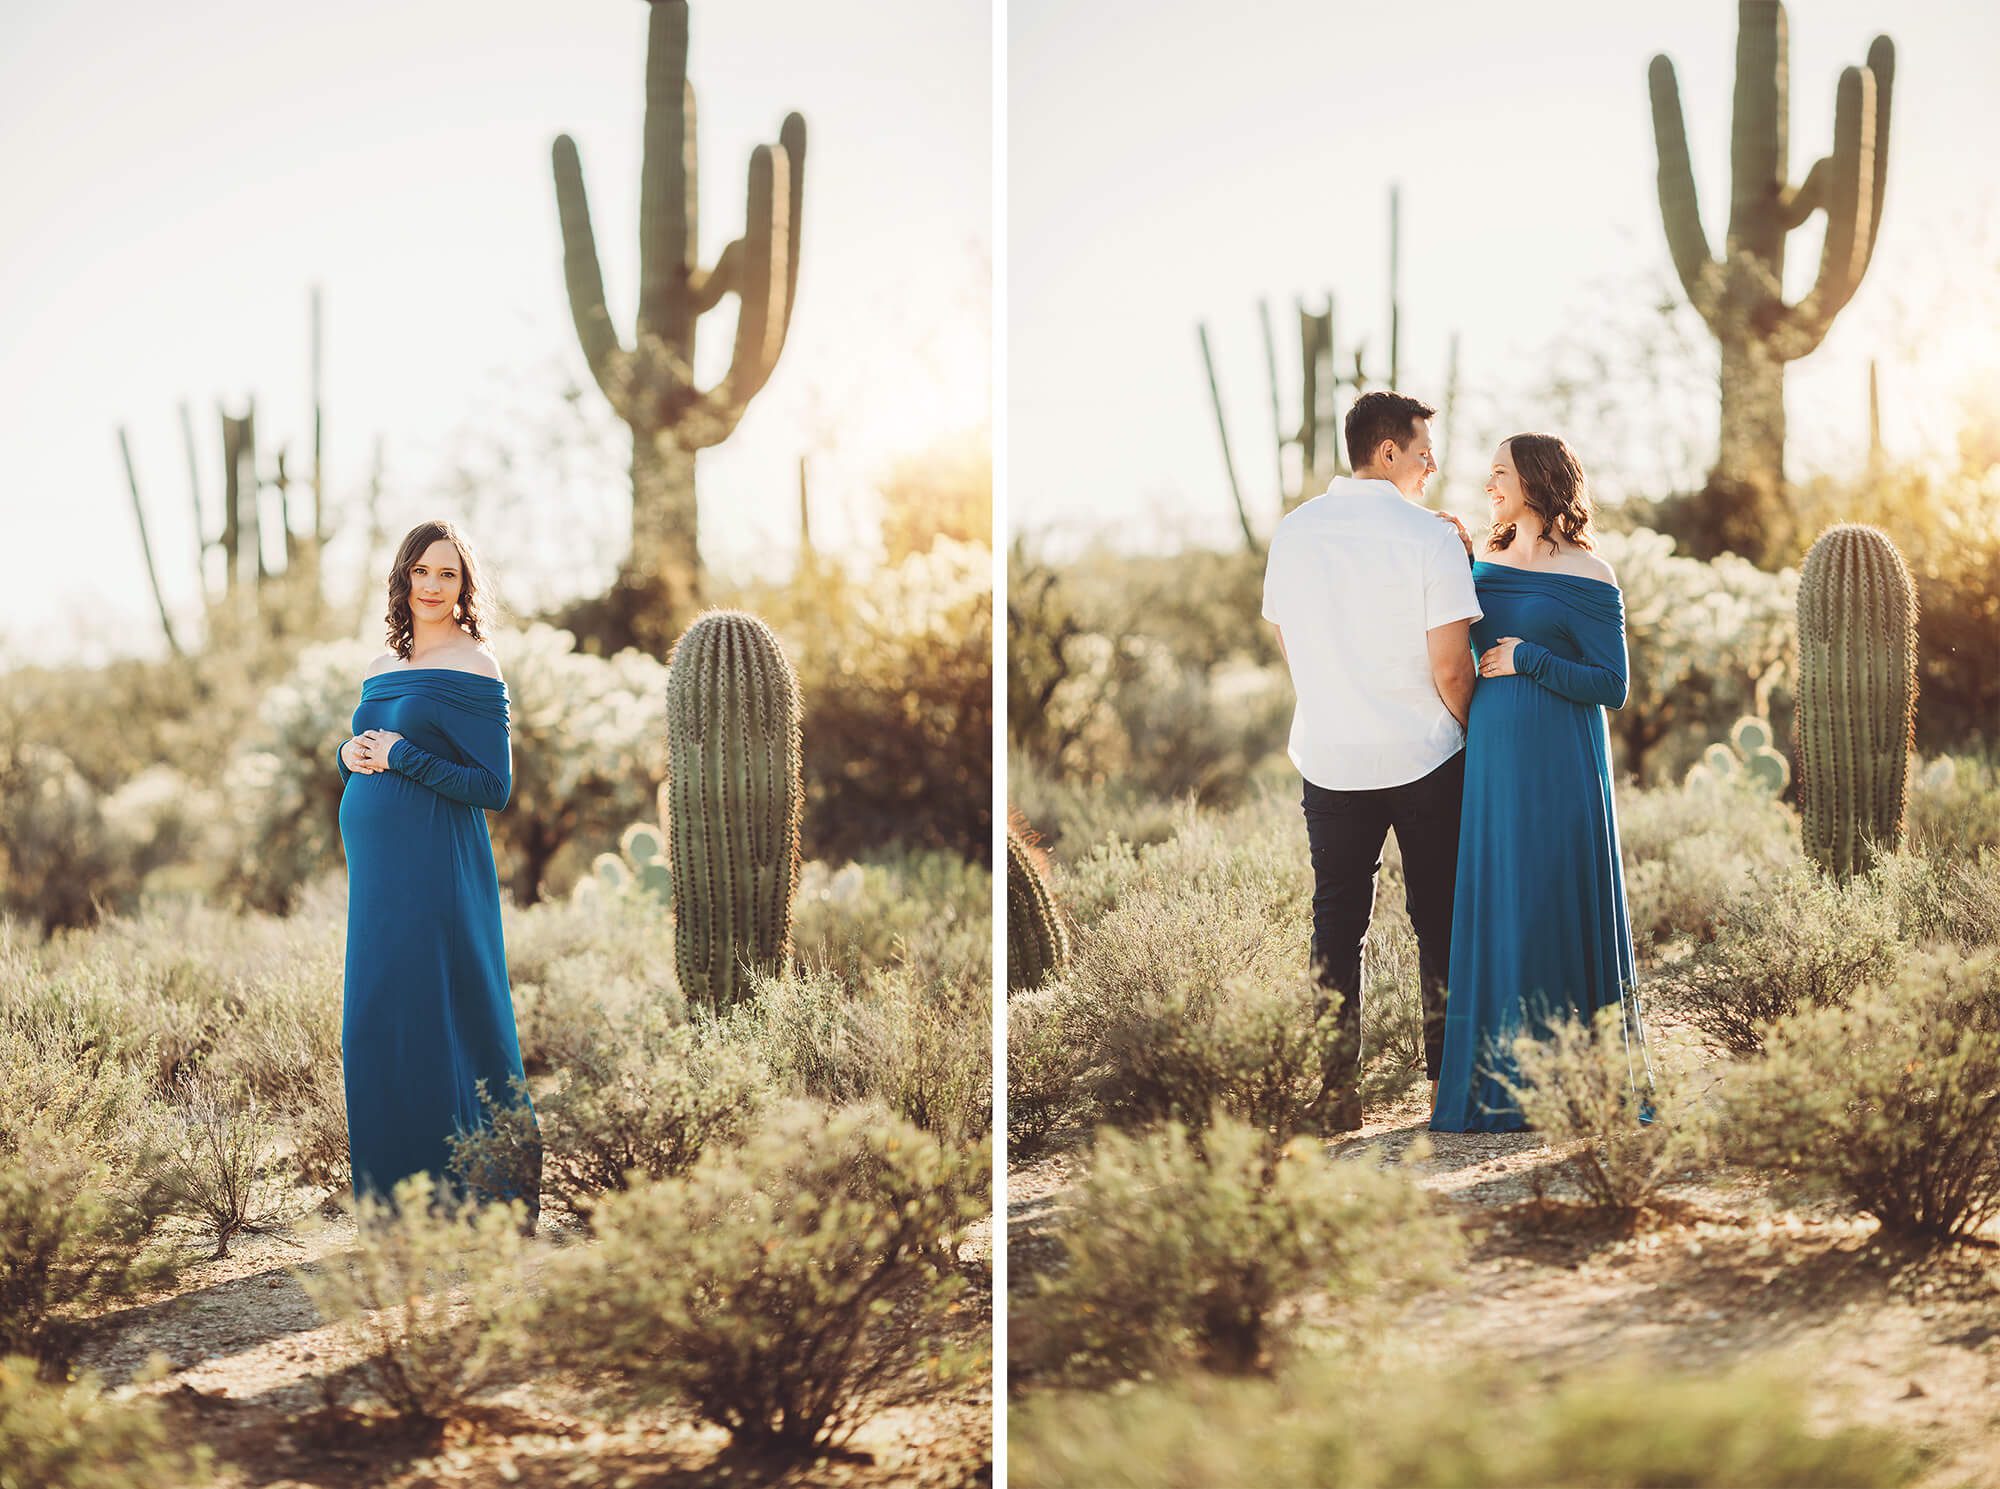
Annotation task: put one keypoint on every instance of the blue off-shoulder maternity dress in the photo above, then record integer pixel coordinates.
(1540, 930)
(426, 1014)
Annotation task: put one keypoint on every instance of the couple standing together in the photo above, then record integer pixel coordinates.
(1453, 689)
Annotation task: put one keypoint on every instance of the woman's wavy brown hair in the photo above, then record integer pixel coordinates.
(1553, 482)
(402, 624)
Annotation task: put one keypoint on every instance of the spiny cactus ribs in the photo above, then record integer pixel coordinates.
(734, 798)
(1857, 696)
(1037, 943)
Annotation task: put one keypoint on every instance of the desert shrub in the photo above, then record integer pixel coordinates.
(931, 909)
(76, 1232)
(70, 1435)
(1624, 1119)
(65, 1077)
(1174, 1252)
(922, 1046)
(1334, 1422)
(1687, 851)
(1139, 668)
(896, 678)
(1792, 941)
(1182, 999)
(1954, 808)
(1043, 1067)
(1892, 1100)
(221, 1165)
(643, 1104)
(433, 1298)
(1939, 897)
(1253, 1049)
(779, 1285)
(1075, 816)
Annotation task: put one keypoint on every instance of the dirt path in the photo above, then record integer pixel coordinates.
(1898, 1340)
(253, 1373)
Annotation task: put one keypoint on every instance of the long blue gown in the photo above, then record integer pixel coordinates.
(426, 1013)
(1539, 929)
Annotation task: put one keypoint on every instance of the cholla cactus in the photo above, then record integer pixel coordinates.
(1857, 696)
(734, 798)
(1037, 944)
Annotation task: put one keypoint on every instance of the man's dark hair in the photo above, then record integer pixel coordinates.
(1379, 416)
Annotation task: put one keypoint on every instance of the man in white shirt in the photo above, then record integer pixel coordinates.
(1373, 599)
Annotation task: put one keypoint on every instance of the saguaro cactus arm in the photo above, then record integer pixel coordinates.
(669, 184)
(1680, 208)
(584, 277)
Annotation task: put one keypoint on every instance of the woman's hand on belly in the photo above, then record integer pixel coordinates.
(355, 754)
(377, 744)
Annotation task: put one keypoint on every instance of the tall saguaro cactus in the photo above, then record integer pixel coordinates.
(1741, 294)
(650, 384)
(1857, 696)
(734, 796)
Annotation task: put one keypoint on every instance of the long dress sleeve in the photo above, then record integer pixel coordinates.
(1600, 675)
(486, 781)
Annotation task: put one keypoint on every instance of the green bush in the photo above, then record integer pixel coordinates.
(1688, 850)
(1940, 897)
(1043, 1068)
(1630, 1426)
(782, 1287)
(1625, 1120)
(1792, 941)
(923, 1046)
(222, 1170)
(433, 1299)
(930, 909)
(642, 1104)
(1892, 1100)
(896, 678)
(76, 1233)
(70, 1435)
(1954, 809)
(1175, 1253)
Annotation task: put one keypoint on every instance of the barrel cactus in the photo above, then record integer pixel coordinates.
(1037, 944)
(734, 797)
(1857, 696)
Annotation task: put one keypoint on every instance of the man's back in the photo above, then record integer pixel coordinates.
(1355, 579)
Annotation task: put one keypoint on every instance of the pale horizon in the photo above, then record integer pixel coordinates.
(1171, 164)
(174, 195)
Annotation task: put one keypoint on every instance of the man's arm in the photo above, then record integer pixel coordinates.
(1452, 667)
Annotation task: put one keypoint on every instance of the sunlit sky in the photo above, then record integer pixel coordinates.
(1170, 162)
(174, 189)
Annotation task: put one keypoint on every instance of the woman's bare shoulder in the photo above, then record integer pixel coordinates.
(383, 663)
(478, 658)
(1587, 565)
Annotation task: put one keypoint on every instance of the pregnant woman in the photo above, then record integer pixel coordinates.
(427, 1014)
(1540, 931)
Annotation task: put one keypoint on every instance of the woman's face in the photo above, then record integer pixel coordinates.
(1504, 496)
(436, 581)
